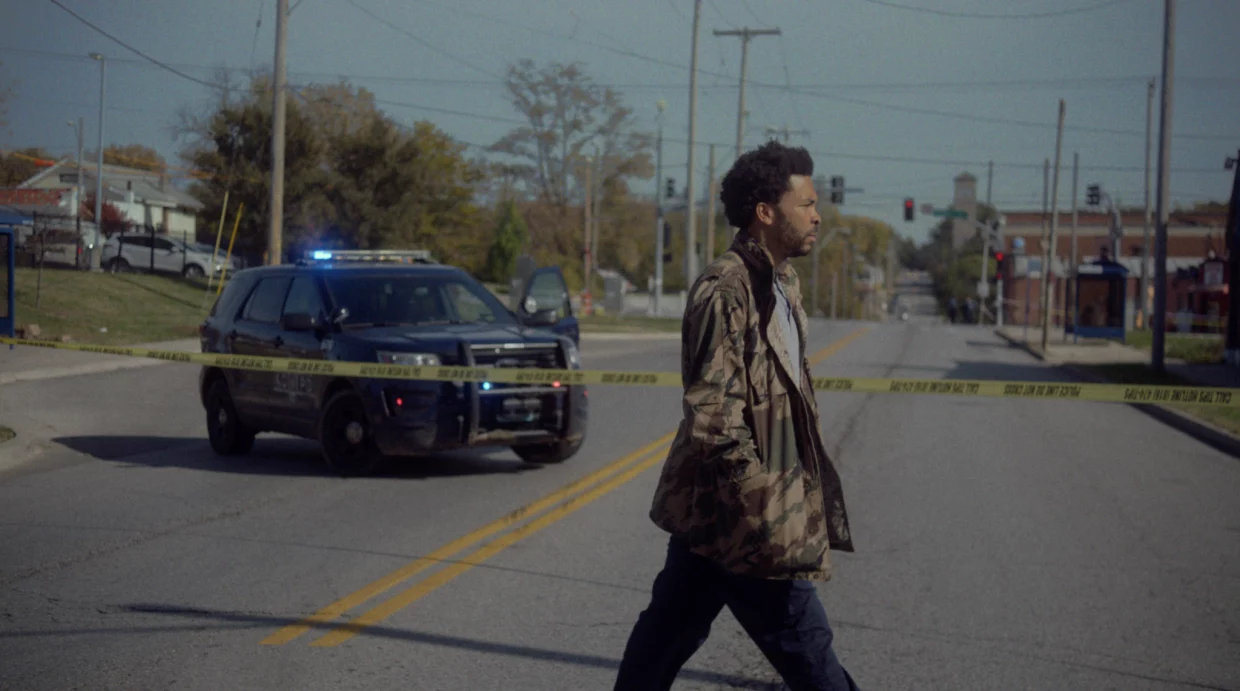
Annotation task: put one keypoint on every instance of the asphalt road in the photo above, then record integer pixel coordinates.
(1002, 544)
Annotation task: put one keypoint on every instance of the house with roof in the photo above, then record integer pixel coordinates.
(145, 198)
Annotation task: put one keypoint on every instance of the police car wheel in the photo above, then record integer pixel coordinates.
(228, 435)
(344, 435)
(555, 452)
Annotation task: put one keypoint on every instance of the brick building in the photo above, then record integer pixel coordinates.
(1192, 237)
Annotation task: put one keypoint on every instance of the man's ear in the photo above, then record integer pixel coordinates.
(764, 213)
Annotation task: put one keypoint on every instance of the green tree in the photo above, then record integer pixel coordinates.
(510, 237)
(353, 176)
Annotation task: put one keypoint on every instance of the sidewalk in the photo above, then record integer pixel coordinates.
(30, 363)
(1061, 352)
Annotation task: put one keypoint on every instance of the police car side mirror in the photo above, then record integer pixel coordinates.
(299, 322)
(543, 318)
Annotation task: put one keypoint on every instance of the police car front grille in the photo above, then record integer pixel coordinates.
(517, 355)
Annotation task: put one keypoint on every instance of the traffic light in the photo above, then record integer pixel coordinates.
(667, 236)
(1093, 195)
(998, 265)
(837, 189)
(671, 188)
(908, 208)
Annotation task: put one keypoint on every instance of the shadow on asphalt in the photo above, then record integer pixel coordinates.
(1001, 371)
(282, 456)
(197, 620)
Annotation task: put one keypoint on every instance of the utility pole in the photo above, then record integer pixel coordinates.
(745, 35)
(596, 206)
(708, 237)
(656, 290)
(96, 254)
(1164, 173)
(691, 193)
(1048, 252)
(275, 227)
(990, 178)
(1145, 244)
(1076, 167)
(586, 258)
(1232, 353)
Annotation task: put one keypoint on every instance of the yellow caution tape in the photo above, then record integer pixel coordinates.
(1107, 393)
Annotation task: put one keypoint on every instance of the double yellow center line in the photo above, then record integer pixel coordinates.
(644, 458)
(591, 487)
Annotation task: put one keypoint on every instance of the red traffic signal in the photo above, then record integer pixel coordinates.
(908, 208)
(999, 257)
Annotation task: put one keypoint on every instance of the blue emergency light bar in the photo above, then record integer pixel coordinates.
(371, 256)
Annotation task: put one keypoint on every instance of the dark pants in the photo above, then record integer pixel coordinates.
(785, 618)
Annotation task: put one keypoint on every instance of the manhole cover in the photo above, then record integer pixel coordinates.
(6, 434)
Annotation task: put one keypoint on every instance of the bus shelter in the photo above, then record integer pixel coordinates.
(1101, 292)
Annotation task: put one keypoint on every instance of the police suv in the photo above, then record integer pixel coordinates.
(397, 308)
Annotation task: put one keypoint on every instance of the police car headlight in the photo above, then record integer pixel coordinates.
(573, 355)
(410, 359)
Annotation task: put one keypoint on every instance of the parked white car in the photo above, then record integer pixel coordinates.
(164, 254)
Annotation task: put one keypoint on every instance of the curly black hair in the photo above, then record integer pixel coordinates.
(761, 175)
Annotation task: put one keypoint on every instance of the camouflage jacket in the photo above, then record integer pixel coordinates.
(747, 482)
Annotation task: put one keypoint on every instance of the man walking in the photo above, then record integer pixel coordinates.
(750, 498)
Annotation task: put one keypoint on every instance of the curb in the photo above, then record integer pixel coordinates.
(111, 363)
(76, 370)
(1204, 432)
(1019, 344)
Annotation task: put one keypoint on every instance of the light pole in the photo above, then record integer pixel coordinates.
(656, 288)
(97, 250)
(77, 129)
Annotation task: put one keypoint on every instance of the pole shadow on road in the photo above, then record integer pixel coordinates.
(1000, 371)
(207, 619)
(285, 456)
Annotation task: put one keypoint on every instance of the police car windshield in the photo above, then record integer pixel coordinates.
(412, 300)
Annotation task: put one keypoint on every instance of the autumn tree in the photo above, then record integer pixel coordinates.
(570, 123)
(21, 165)
(135, 156)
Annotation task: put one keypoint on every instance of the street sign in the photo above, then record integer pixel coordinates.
(983, 289)
(951, 213)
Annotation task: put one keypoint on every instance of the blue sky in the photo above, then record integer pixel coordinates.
(898, 96)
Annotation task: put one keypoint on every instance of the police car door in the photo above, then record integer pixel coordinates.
(547, 290)
(257, 333)
(295, 398)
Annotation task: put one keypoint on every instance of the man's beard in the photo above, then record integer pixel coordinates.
(792, 242)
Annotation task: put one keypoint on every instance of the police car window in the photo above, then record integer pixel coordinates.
(549, 292)
(303, 298)
(266, 300)
(469, 307)
(412, 300)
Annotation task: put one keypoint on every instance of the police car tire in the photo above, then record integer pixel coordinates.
(555, 452)
(368, 458)
(232, 437)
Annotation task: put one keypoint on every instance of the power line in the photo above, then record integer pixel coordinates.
(421, 41)
(131, 48)
(1051, 82)
(980, 15)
